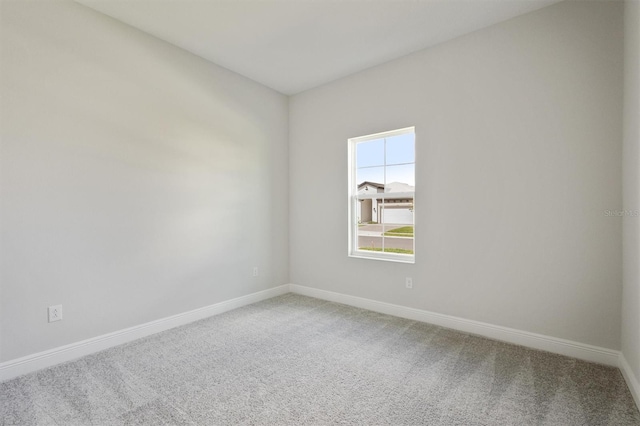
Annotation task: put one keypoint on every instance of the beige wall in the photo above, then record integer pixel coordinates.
(518, 142)
(631, 177)
(137, 180)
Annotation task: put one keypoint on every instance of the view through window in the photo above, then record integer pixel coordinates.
(382, 193)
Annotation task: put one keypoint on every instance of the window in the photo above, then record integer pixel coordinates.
(382, 196)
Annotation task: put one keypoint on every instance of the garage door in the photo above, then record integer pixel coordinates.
(397, 215)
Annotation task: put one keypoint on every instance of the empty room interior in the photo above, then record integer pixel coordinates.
(320, 212)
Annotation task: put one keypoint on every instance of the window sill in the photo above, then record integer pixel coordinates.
(388, 257)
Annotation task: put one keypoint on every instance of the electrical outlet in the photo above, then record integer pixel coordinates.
(408, 282)
(55, 313)
(255, 271)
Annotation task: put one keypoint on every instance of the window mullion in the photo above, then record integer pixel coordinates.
(384, 191)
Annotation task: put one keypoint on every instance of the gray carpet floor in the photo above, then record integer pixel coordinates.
(295, 360)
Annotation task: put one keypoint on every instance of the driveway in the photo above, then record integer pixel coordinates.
(372, 228)
(379, 228)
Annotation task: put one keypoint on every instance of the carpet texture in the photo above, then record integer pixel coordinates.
(295, 360)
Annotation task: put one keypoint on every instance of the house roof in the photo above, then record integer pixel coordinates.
(390, 187)
(399, 187)
(366, 182)
(392, 191)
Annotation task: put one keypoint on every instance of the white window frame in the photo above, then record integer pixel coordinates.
(354, 198)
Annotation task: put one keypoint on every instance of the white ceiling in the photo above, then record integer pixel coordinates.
(294, 45)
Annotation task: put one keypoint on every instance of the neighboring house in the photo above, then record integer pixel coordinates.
(397, 207)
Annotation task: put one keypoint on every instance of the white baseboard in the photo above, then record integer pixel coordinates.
(38, 361)
(524, 338)
(631, 379)
(31, 363)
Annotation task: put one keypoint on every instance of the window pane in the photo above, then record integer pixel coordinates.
(370, 153)
(400, 178)
(398, 210)
(398, 238)
(370, 234)
(401, 149)
(370, 180)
